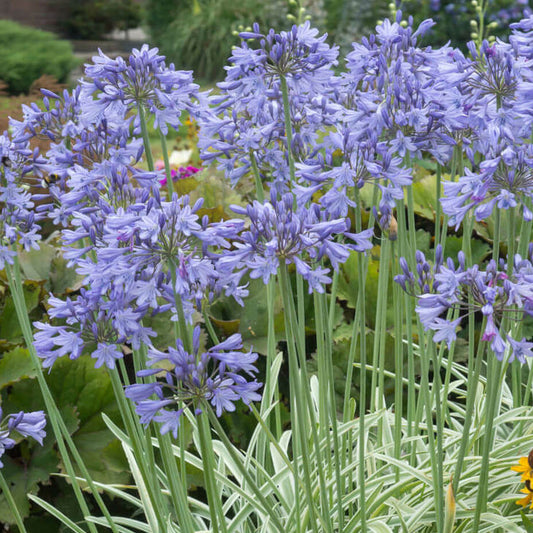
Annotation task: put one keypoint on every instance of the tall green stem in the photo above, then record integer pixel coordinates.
(331, 403)
(288, 125)
(474, 369)
(298, 397)
(398, 372)
(146, 138)
(437, 205)
(150, 479)
(260, 193)
(168, 171)
(380, 329)
(490, 412)
(218, 520)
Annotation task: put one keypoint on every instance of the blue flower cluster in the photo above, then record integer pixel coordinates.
(246, 124)
(190, 378)
(18, 219)
(494, 292)
(299, 235)
(25, 424)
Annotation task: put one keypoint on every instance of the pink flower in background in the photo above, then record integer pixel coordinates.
(179, 174)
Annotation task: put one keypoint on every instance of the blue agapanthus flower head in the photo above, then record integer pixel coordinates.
(217, 375)
(281, 232)
(142, 80)
(298, 53)
(247, 125)
(491, 291)
(25, 424)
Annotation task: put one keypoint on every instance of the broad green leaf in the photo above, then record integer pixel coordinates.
(63, 279)
(343, 333)
(164, 327)
(480, 249)
(47, 264)
(424, 195)
(253, 317)
(227, 327)
(348, 287)
(78, 385)
(15, 365)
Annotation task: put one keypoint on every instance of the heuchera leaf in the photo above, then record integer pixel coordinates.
(82, 394)
(24, 477)
(15, 365)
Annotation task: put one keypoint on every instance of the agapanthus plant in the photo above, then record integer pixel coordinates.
(214, 375)
(284, 117)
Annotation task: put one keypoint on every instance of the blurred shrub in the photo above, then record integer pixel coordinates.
(198, 34)
(26, 54)
(93, 19)
(348, 20)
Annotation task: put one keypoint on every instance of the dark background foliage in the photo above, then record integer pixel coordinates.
(26, 54)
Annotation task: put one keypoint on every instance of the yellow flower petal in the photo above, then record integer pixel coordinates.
(522, 465)
(526, 500)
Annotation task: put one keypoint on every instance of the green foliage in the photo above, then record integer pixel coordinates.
(82, 392)
(10, 330)
(26, 54)
(47, 264)
(94, 18)
(199, 36)
(159, 13)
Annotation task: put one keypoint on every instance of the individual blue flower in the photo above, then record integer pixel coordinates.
(520, 349)
(25, 424)
(214, 375)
